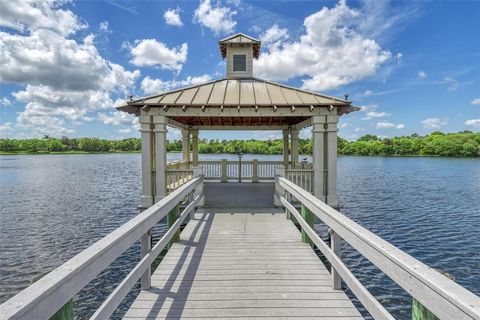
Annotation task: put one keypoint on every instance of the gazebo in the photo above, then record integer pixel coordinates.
(239, 102)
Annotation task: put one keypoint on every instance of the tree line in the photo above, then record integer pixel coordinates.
(461, 144)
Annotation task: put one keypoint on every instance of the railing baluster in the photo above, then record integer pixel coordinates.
(146, 247)
(335, 245)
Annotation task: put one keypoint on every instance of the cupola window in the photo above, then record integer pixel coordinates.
(239, 62)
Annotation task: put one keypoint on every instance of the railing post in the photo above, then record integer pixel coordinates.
(197, 172)
(335, 245)
(146, 247)
(171, 218)
(224, 177)
(288, 214)
(191, 196)
(280, 172)
(255, 170)
(310, 220)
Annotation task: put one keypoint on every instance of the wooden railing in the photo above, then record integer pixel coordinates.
(250, 170)
(175, 178)
(178, 165)
(301, 177)
(437, 293)
(44, 297)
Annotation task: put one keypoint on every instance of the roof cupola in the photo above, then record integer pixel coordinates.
(239, 50)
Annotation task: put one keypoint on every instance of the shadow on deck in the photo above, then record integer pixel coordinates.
(239, 195)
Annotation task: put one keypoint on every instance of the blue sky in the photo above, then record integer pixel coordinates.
(414, 67)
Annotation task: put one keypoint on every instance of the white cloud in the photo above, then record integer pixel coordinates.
(5, 127)
(421, 74)
(385, 125)
(125, 130)
(64, 79)
(23, 15)
(476, 101)
(473, 122)
(117, 118)
(47, 58)
(218, 19)
(273, 37)
(332, 51)
(150, 53)
(452, 84)
(4, 101)
(343, 125)
(104, 27)
(400, 126)
(172, 17)
(358, 129)
(434, 122)
(155, 86)
(375, 114)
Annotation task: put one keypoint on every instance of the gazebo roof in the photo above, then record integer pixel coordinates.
(236, 93)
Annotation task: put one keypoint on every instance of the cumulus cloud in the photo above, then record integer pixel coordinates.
(4, 101)
(432, 123)
(24, 16)
(400, 126)
(218, 19)
(332, 51)
(153, 53)
(473, 122)
(172, 17)
(375, 114)
(155, 86)
(273, 37)
(5, 127)
(476, 101)
(385, 125)
(117, 118)
(421, 74)
(64, 79)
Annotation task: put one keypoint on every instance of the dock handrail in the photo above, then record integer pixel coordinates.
(445, 298)
(44, 297)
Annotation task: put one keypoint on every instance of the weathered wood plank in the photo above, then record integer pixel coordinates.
(241, 265)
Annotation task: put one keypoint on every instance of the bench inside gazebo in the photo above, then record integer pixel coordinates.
(239, 102)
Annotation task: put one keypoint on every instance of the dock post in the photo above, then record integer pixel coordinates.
(224, 177)
(146, 247)
(335, 245)
(255, 170)
(171, 219)
(310, 219)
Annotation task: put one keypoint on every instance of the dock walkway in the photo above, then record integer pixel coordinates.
(239, 265)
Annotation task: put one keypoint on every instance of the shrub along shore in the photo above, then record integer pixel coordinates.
(461, 144)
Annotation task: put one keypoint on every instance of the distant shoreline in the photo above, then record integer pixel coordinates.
(259, 154)
(464, 144)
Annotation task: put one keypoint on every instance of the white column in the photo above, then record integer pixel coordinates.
(146, 133)
(186, 145)
(195, 147)
(160, 156)
(318, 135)
(285, 147)
(332, 197)
(294, 134)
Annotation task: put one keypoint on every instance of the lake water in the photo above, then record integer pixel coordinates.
(54, 206)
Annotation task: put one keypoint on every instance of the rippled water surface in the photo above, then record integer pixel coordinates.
(54, 206)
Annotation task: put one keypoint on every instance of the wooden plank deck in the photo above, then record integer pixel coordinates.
(241, 265)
